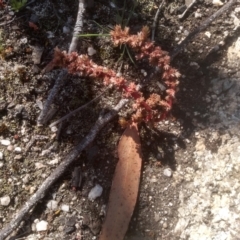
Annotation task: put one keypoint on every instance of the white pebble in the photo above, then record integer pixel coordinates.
(208, 34)
(54, 129)
(237, 10)
(17, 149)
(54, 161)
(5, 200)
(167, 172)
(1, 164)
(217, 3)
(5, 142)
(1, 156)
(95, 192)
(10, 148)
(39, 165)
(65, 208)
(41, 226)
(91, 51)
(52, 205)
(197, 15)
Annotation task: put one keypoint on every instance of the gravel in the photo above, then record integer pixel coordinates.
(209, 198)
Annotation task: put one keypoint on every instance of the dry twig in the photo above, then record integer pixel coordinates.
(58, 172)
(155, 20)
(184, 13)
(202, 27)
(62, 76)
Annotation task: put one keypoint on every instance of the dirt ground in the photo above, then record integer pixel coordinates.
(168, 149)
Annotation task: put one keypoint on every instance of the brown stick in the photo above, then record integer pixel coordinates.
(202, 27)
(63, 74)
(58, 172)
(154, 25)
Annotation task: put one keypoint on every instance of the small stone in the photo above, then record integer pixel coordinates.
(156, 217)
(95, 192)
(32, 189)
(39, 165)
(167, 172)
(1, 156)
(26, 178)
(197, 15)
(10, 148)
(18, 157)
(41, 226)
(153, 179)
(1, 164)
(17, 149)
(54, 161)
(185, 32)
(237, 10)
(91, 51)
(165, 225)
(217, 3)
(5, 142)
(23, 40)
(208, 34)
(54, 129)
(66, 30)
(52, 205)
(65, 208)
(5, 200)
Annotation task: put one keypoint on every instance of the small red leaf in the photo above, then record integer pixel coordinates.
(33, 26)
(125, 185)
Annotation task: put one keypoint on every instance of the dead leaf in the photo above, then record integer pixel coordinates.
(125, 185)
(33, 26)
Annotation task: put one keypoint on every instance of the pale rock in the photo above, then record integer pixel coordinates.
(39, 165)
(217, 2)
(52, 205)
(167, 172)
(91, 51)
(236, 21)
(5, 200)
(23, 40)
(237, 10)
(208, 34)
(26, 178)
(54, 161)
(65, 208)
(1, 164)
(10, 148)
(95, 192)
(1, 156)
(5, 142)
(197, 15)
(54, 129)
(41, 226)
(17, 150)
(32, 189)
(181, 225)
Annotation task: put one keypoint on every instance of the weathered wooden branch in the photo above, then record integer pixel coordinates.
(58, 172)
(63, 74)
(154, 25)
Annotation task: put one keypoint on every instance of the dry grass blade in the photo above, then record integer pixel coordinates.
(124, 191)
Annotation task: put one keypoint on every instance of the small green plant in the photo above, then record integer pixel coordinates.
(17, 4)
